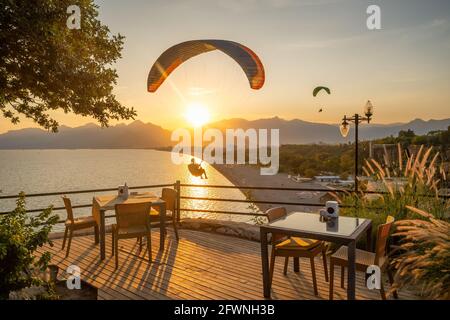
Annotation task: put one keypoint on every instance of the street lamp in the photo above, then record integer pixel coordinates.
(345, 128)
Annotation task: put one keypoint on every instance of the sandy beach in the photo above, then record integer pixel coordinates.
(246, 175)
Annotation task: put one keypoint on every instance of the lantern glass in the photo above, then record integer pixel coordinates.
(344, 128)
(368, 109)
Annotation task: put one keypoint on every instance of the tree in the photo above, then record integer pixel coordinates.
(45, 66)
(20, 236)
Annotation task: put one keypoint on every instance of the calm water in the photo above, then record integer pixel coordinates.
(37, 171)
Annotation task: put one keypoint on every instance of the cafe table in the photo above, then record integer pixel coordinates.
(342, 230)
(104, 203)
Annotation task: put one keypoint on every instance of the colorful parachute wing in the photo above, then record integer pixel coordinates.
(318, 89)
(170, 59)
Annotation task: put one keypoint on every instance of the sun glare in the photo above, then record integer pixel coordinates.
(197, 114)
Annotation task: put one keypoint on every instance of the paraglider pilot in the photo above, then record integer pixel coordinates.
(196, 169)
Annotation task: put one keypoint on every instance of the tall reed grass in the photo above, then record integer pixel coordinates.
(424, 255)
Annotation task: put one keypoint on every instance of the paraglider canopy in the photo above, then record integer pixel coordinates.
(170, 59)
(318, 89)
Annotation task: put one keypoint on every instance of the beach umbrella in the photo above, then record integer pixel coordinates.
(318, 89)
(174, 56)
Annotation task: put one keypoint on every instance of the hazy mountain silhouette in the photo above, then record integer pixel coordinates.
(147, 135)
(134, 135)
(302, 132)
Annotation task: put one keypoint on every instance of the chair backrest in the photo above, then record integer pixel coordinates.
(68, 205)
(170, 197)
(96, 211)
(382, 238)
(132, 214)
(275, 214)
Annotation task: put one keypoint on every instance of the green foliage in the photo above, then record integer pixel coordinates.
(439, 139)
(20, 236)
(311, 160)
(45, 66)
(316, 159)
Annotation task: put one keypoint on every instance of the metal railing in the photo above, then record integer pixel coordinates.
(178, 186)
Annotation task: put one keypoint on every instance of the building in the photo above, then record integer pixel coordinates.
(329, 179)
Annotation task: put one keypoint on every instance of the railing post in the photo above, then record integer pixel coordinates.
(178, 189)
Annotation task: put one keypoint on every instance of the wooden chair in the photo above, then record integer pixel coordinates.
(295, 247)
(170, 197)
(133, 221)
(78, 223)
(366, 258)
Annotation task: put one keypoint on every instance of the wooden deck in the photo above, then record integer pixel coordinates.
(199, 266)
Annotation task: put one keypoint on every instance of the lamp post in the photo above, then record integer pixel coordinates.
(356, 119)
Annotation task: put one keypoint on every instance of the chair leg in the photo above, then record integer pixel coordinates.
(313, 271)
(116, 248)
(391, 281)
(140, 244)
(325, 267)
(286, 262)
(69, 243)
(97, 234)
(112, 243)
(65, 238)
(149, 247)
(175, 228)
(342, 277)
(382, 293)
(331, 279)
(271, 267)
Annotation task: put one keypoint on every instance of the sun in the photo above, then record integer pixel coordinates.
(197, 114)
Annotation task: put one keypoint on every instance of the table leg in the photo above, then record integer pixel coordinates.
(296, 264)
(369, 238)
(102, 235)
(351, 276)
(162, 226)
(265, 263)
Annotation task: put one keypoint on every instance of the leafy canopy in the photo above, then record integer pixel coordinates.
(45, 66)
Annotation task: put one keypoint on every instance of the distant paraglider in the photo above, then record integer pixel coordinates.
(170, 59)
(318, 89)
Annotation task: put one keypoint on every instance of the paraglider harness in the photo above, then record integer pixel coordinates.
(196, 170)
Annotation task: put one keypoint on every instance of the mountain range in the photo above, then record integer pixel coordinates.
(147, 135)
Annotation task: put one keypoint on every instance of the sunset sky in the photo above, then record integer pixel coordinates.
(404, 68)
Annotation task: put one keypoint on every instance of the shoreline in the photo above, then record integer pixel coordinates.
(246, 175)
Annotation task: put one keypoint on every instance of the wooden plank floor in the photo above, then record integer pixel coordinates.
(199, 266)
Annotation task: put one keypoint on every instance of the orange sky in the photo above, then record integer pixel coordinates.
(403, 68)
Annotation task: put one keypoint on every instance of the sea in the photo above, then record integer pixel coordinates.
(61, 170)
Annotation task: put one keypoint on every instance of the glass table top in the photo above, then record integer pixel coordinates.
(310, 222)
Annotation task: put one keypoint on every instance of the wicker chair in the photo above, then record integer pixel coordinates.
(295, 247)
(133, 221)
(366, 258)
(170, 197)
(78, 223)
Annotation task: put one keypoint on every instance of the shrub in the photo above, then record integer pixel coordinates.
(20, 236)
